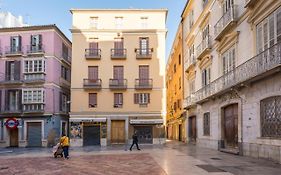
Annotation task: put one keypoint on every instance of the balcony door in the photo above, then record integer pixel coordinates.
(227, 4)
(36, 42)
(94, 46)
(144, 75)
(15, 44)
(12, 100)
(12, 70)
(93, 73)
(118, 46)
(118, 74)
(144, 46)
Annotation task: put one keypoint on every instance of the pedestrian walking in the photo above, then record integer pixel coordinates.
(135, 141)
(64, 141)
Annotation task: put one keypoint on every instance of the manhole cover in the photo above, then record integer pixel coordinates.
(210, 168)
(215, 158)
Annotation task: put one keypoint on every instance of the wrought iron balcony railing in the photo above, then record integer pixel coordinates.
(144, 53)
(118, 83)
(203, 47)
(118, 53)
(143, 83)
(251, 70)
(92, 83)
(11, 79)
(227, 19)
(35, 49)
(66, 57)
(93, 54)
(14, 51)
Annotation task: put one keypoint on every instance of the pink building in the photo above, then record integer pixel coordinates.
(34, 85)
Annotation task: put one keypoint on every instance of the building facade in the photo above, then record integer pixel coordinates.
(118, 74)
(175, 118)
(232, 56)
(34, 85)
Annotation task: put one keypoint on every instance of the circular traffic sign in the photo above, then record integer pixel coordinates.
(12, 123)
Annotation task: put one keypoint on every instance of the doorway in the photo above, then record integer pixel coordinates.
(230, 124)
(192, 129)
(180, 132)
(118, 131)
(14, 137)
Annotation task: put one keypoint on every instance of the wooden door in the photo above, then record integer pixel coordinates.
(231, 126)
(144, 75)
(118, 132)
(14, 138)
(192, 129)
(118, 72)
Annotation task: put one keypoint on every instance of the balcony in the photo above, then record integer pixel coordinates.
(203, 48)
(13, 51)
(12, 110)
(64, 83)
(93, 54)
(118, 84)
(142, 84)
(250, 3)
(34, 78)
(33, 108)
(117, 54)
(35, 50)
(12, 80)
(228, 19)
(144, 53)
(66, 57)
(92, 84)
(256, 68)
(189, 63)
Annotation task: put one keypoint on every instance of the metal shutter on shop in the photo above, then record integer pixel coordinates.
(91, 135)
(34, 134)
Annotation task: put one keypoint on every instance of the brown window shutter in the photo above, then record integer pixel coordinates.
(148, 98)
(136, 98)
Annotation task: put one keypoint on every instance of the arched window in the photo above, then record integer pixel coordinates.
(271, 117)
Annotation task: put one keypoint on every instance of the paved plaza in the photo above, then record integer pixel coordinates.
(172, 159)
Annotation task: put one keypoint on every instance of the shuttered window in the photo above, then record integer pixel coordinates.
(206, 76)
(118, 72)
(141, 98)
(93, 100)
(206, 124)
(118, 100)
(93, 73)
(228, 59)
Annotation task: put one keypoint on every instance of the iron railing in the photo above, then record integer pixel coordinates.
(14, 50)
(189, 62)
(118, 83)
(225, 20)
(258, 65)
(203, 46)
(35, 49)
(143, 83)
(33, 108)
(118, 53)
(144, 53)
(92, 83)
(93, 53)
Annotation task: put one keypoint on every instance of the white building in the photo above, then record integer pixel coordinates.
(9, 20)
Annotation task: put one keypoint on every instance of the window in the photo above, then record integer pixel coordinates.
(93, 73)
(65, 54)
(144, 23)
(118, 22)
(227, 4)
(13, 70)
(63, 102)
(191, 19)
(269, 31)
(36, 42)
(144, 46)
(205, 34)
(34, 66)
(30, 96)
(179, 59)
(118, 72)
(92, 100)
(175, 106)
(142, 98)
(206, 124)
(94, 22)
(118, 100)
(192, 86)
(15, 44)
(180, 83)
(228, 59)
(118, 47)
(12, 100)
(175, 68)
(65, 73)
(191, 54)
(179, 104)
(270, 112)
(206, 76)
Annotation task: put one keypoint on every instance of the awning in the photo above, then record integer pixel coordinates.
(87, 119)
(146, 121)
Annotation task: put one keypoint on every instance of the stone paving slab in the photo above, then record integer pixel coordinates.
(114, 164)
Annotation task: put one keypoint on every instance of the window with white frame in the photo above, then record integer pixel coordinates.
(142, 98)
(118, 100)
(144, 23)
(34, 66)
(269, 31)
(118, 22)
(228, 60)
(206, 76)
(31, 96)
(94, 22)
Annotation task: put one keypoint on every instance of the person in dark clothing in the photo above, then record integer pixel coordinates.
(135, 141)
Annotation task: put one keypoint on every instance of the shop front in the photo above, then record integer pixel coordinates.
(88, 131)
(150, 131)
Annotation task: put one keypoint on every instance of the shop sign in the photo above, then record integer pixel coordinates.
(11, 123)
(146, 121)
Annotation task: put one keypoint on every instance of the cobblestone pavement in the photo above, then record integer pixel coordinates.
(173, 159)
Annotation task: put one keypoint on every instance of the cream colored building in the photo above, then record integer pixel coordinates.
(118, 74)
(175, 119)
(232, 56)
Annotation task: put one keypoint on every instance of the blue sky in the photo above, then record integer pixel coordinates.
(39, 12)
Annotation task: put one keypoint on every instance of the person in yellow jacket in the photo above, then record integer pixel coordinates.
(64, 141)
